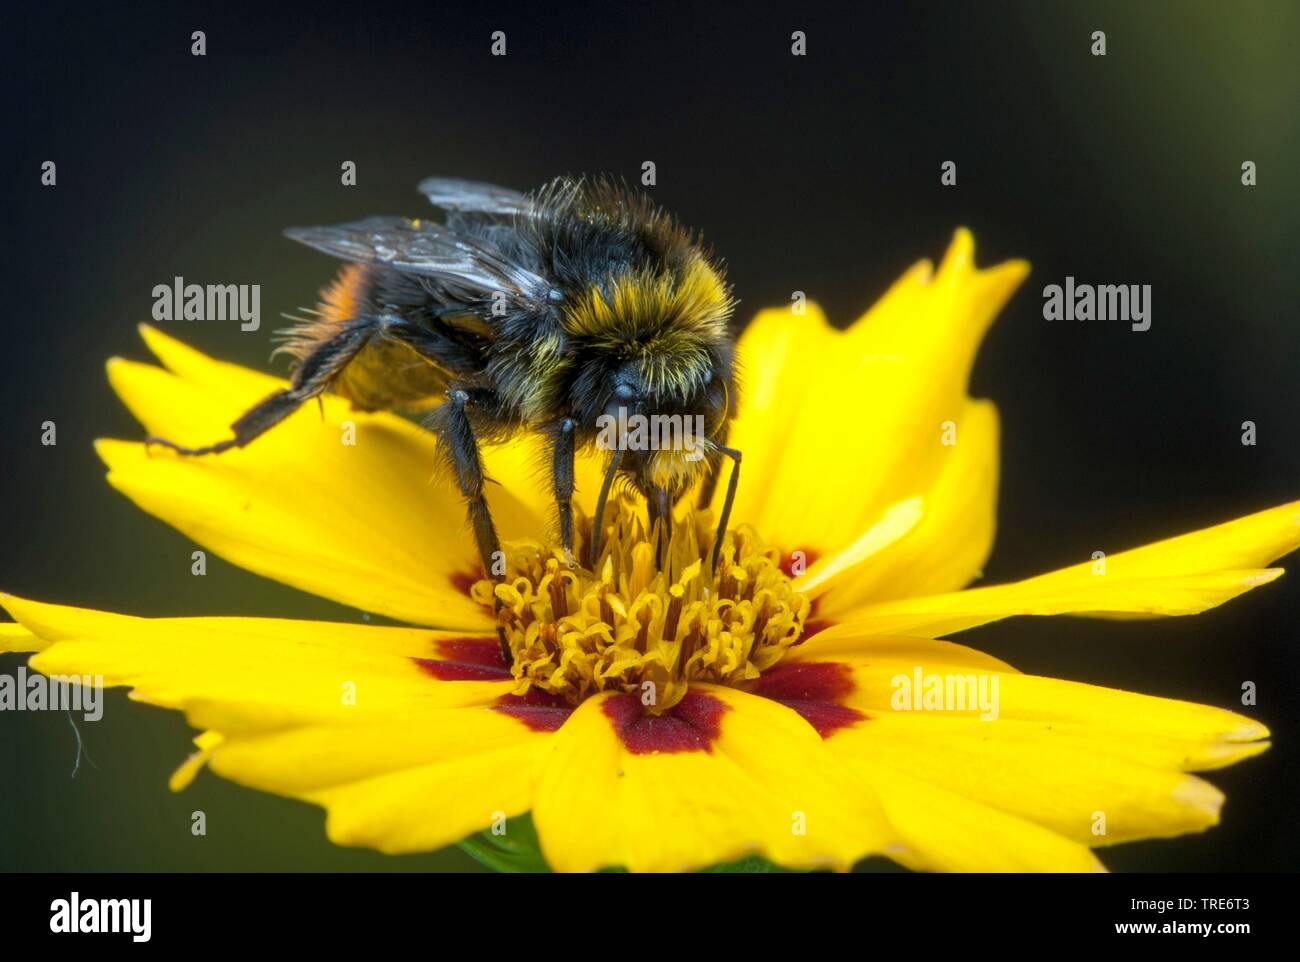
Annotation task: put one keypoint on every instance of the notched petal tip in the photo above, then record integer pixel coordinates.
(188, 770)
(1200, 796)
(17, 639)
(155, 339)
(17, 607)
(961, 249)
(1248, 730)
(104, 448)
(54, 622)
(118, 370)
(961, 253)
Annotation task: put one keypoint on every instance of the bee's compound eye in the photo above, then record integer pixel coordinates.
(624, 392)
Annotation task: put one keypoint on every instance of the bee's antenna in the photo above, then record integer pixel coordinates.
(598, 519)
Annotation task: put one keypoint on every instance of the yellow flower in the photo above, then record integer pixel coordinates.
(797, 704)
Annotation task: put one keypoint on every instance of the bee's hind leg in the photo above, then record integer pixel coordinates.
(311, 379)
(255, 422)
(450, 422)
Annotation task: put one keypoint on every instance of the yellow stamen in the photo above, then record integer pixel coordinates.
(629, 626)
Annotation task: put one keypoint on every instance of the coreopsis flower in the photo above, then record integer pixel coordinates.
(796, 703)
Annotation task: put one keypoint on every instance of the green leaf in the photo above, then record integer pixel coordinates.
(516, 851)
(519, 851)
(750, 863)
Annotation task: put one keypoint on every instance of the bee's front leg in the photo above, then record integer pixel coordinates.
(712, 470)
(659, 507)
(450, 422)
(725, 517)
(562, 455)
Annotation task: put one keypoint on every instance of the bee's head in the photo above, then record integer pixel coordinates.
(666, 438)
(657, 380)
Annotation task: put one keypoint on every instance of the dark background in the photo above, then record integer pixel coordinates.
(818, 173)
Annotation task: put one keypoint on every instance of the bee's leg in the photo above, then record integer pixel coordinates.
(725, 517)
(710, 483)
(450, 422)
(312, 378)
(598, 519)
(255, 422)
(660, 508)
(439, 350)
(562, 481)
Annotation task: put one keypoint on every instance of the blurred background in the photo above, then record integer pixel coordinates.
(817, 173)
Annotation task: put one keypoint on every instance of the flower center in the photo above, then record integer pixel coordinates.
(634, 625)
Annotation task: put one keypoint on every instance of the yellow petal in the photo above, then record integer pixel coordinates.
(1155, 731)
(16, 638)
(880, 651)
(834, 571)
(765, 784)
(238, 674)
(781, 356)
(189, 769)
(522, 466)
(1068, 783)
(943, 831)
(1178, 576)
(1067, 757)
(1094, 765)
(950, 542)
(345, 716)
(366, 524)
(402, 785)
(840, 425)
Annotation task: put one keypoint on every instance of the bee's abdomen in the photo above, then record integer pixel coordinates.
(342, 302)
(385, 373)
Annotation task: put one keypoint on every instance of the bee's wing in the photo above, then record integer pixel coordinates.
(464, 267)
(454, 194)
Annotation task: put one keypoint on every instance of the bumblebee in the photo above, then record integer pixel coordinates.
(551, 312)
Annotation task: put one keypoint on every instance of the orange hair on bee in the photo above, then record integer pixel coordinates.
(340, 300)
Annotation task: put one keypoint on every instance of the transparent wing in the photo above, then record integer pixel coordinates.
(454, 194)
(465, 267)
